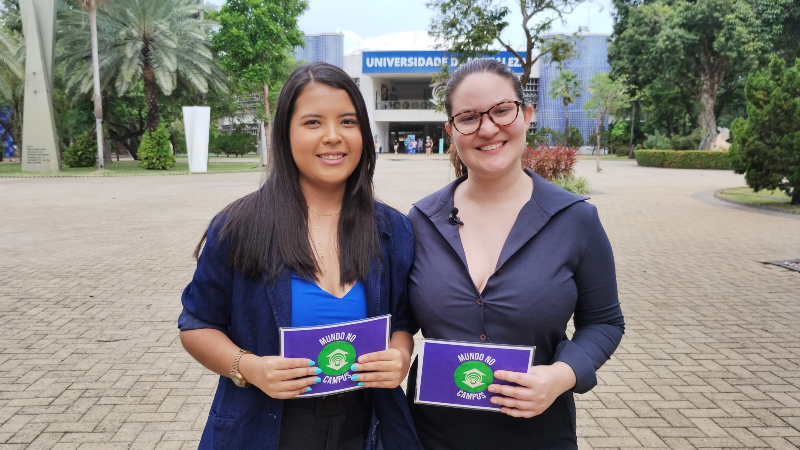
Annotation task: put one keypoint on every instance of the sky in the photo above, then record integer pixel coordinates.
(403, 25)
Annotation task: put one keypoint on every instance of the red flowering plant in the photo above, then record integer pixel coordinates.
(550, 162)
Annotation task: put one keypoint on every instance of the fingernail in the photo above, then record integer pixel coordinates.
(311, 363)
(354, 377)
(353, 367)
(308, 389)
(360, 383)
(317, 371)
(317, 380)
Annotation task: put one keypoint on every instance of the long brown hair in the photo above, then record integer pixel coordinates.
(479, 65)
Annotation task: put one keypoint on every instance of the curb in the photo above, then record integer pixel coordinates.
(751, 205)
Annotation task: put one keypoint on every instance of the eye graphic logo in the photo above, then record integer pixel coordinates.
(473, 376)
(336, 358)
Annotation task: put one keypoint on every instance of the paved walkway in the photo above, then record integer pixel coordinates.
(91, 271)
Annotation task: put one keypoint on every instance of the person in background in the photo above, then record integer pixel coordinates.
(412, 146)
(396, 144)
(419, 144)
(310, 247)
(428, 145)
(529, 257)
(377, 145)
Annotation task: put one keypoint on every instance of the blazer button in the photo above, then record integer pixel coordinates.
(483, 337)
(479, 302)
(499, 272)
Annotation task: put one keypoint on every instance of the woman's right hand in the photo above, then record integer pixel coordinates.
(279, 377)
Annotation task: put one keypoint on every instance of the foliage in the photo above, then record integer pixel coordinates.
(162, 43)
(548, 135)
(766, 145)
(470, 28)
(576, 185)
(567, 86)
(12, 76)
(617, 138)
(696, 49)
(154, 151)
(609, 97)
(657, 141)
(255, 41)
(83, 153)
(550, 162)
(237, 143)
(9, 15)
(688, 142)
(128, 168)
(692, 159)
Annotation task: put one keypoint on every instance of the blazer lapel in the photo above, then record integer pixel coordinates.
(280, 298)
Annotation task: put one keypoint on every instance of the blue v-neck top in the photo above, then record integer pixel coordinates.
(312, 306)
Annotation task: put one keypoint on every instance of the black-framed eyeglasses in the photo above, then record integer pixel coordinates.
(502, 114)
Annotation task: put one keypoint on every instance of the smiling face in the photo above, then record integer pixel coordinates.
(325, 137)
(492, 150)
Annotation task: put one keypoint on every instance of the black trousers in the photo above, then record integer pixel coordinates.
(332, 422)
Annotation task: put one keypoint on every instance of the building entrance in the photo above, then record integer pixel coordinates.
(400, 131)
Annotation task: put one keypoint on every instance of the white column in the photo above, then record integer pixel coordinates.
(196, 122)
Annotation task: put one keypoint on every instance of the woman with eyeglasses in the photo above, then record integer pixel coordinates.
(528, 257)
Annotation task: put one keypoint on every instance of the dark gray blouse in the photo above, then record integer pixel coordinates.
(556, 263)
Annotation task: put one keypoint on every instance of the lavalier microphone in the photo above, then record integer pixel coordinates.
(453, 217)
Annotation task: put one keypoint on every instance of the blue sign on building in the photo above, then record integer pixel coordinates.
(422, 61)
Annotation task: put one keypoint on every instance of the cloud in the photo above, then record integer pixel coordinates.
(407, 40)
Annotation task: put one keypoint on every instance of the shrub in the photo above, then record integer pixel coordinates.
(549, 135)
(550, 162)
(690, 142)
(238, 142)
(620, 133)
(154, 151)
(83, 153)
(576, 185)
(691, 159)
(657, 141)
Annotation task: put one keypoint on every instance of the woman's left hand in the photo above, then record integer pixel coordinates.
(537, 389)
(388, 368)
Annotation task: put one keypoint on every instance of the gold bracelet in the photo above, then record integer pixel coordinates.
(236, 376)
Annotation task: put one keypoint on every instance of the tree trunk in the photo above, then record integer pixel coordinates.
(566, 123)
(711, 75)
(106, 138)
(796, 196)
(631, 154)
(267, 127)
(599, 134)
(150, 93)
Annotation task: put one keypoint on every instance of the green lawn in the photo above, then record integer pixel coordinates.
(776, 198)
(126, 168)
(607, 157)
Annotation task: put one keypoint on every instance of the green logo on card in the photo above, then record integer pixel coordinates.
(473, 376)
(336, 358)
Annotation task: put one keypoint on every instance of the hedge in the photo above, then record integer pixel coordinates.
(689, 159)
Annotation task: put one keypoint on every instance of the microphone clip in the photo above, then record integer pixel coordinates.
(453, 217)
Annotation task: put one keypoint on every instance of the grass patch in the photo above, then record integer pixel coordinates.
(607, 157)
(126, 168)
(776, 199)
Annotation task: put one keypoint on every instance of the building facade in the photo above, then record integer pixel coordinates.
(325, 47)
(401, 96)
(592, 57)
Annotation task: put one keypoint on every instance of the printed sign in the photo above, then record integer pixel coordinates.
(458, 374)
(423, 61)
(335, 348)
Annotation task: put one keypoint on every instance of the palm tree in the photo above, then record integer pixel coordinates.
(567, 86)
(12, 82)
(92, 5)
(163, 43)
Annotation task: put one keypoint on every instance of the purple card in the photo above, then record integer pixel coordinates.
(458, 374)
(335, 348)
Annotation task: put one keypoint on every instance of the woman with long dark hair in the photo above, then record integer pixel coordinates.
(525, 258)
(312, 246)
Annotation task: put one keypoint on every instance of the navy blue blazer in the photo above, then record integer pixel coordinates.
(250, 311)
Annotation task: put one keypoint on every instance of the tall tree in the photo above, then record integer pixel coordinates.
(766, 145)
(473, 28)
(91, 6)
(608, 98)
(567, 86)
(697, 43)
(255, 40)
(163, 43)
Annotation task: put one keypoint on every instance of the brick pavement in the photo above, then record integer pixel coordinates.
(91, 272)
